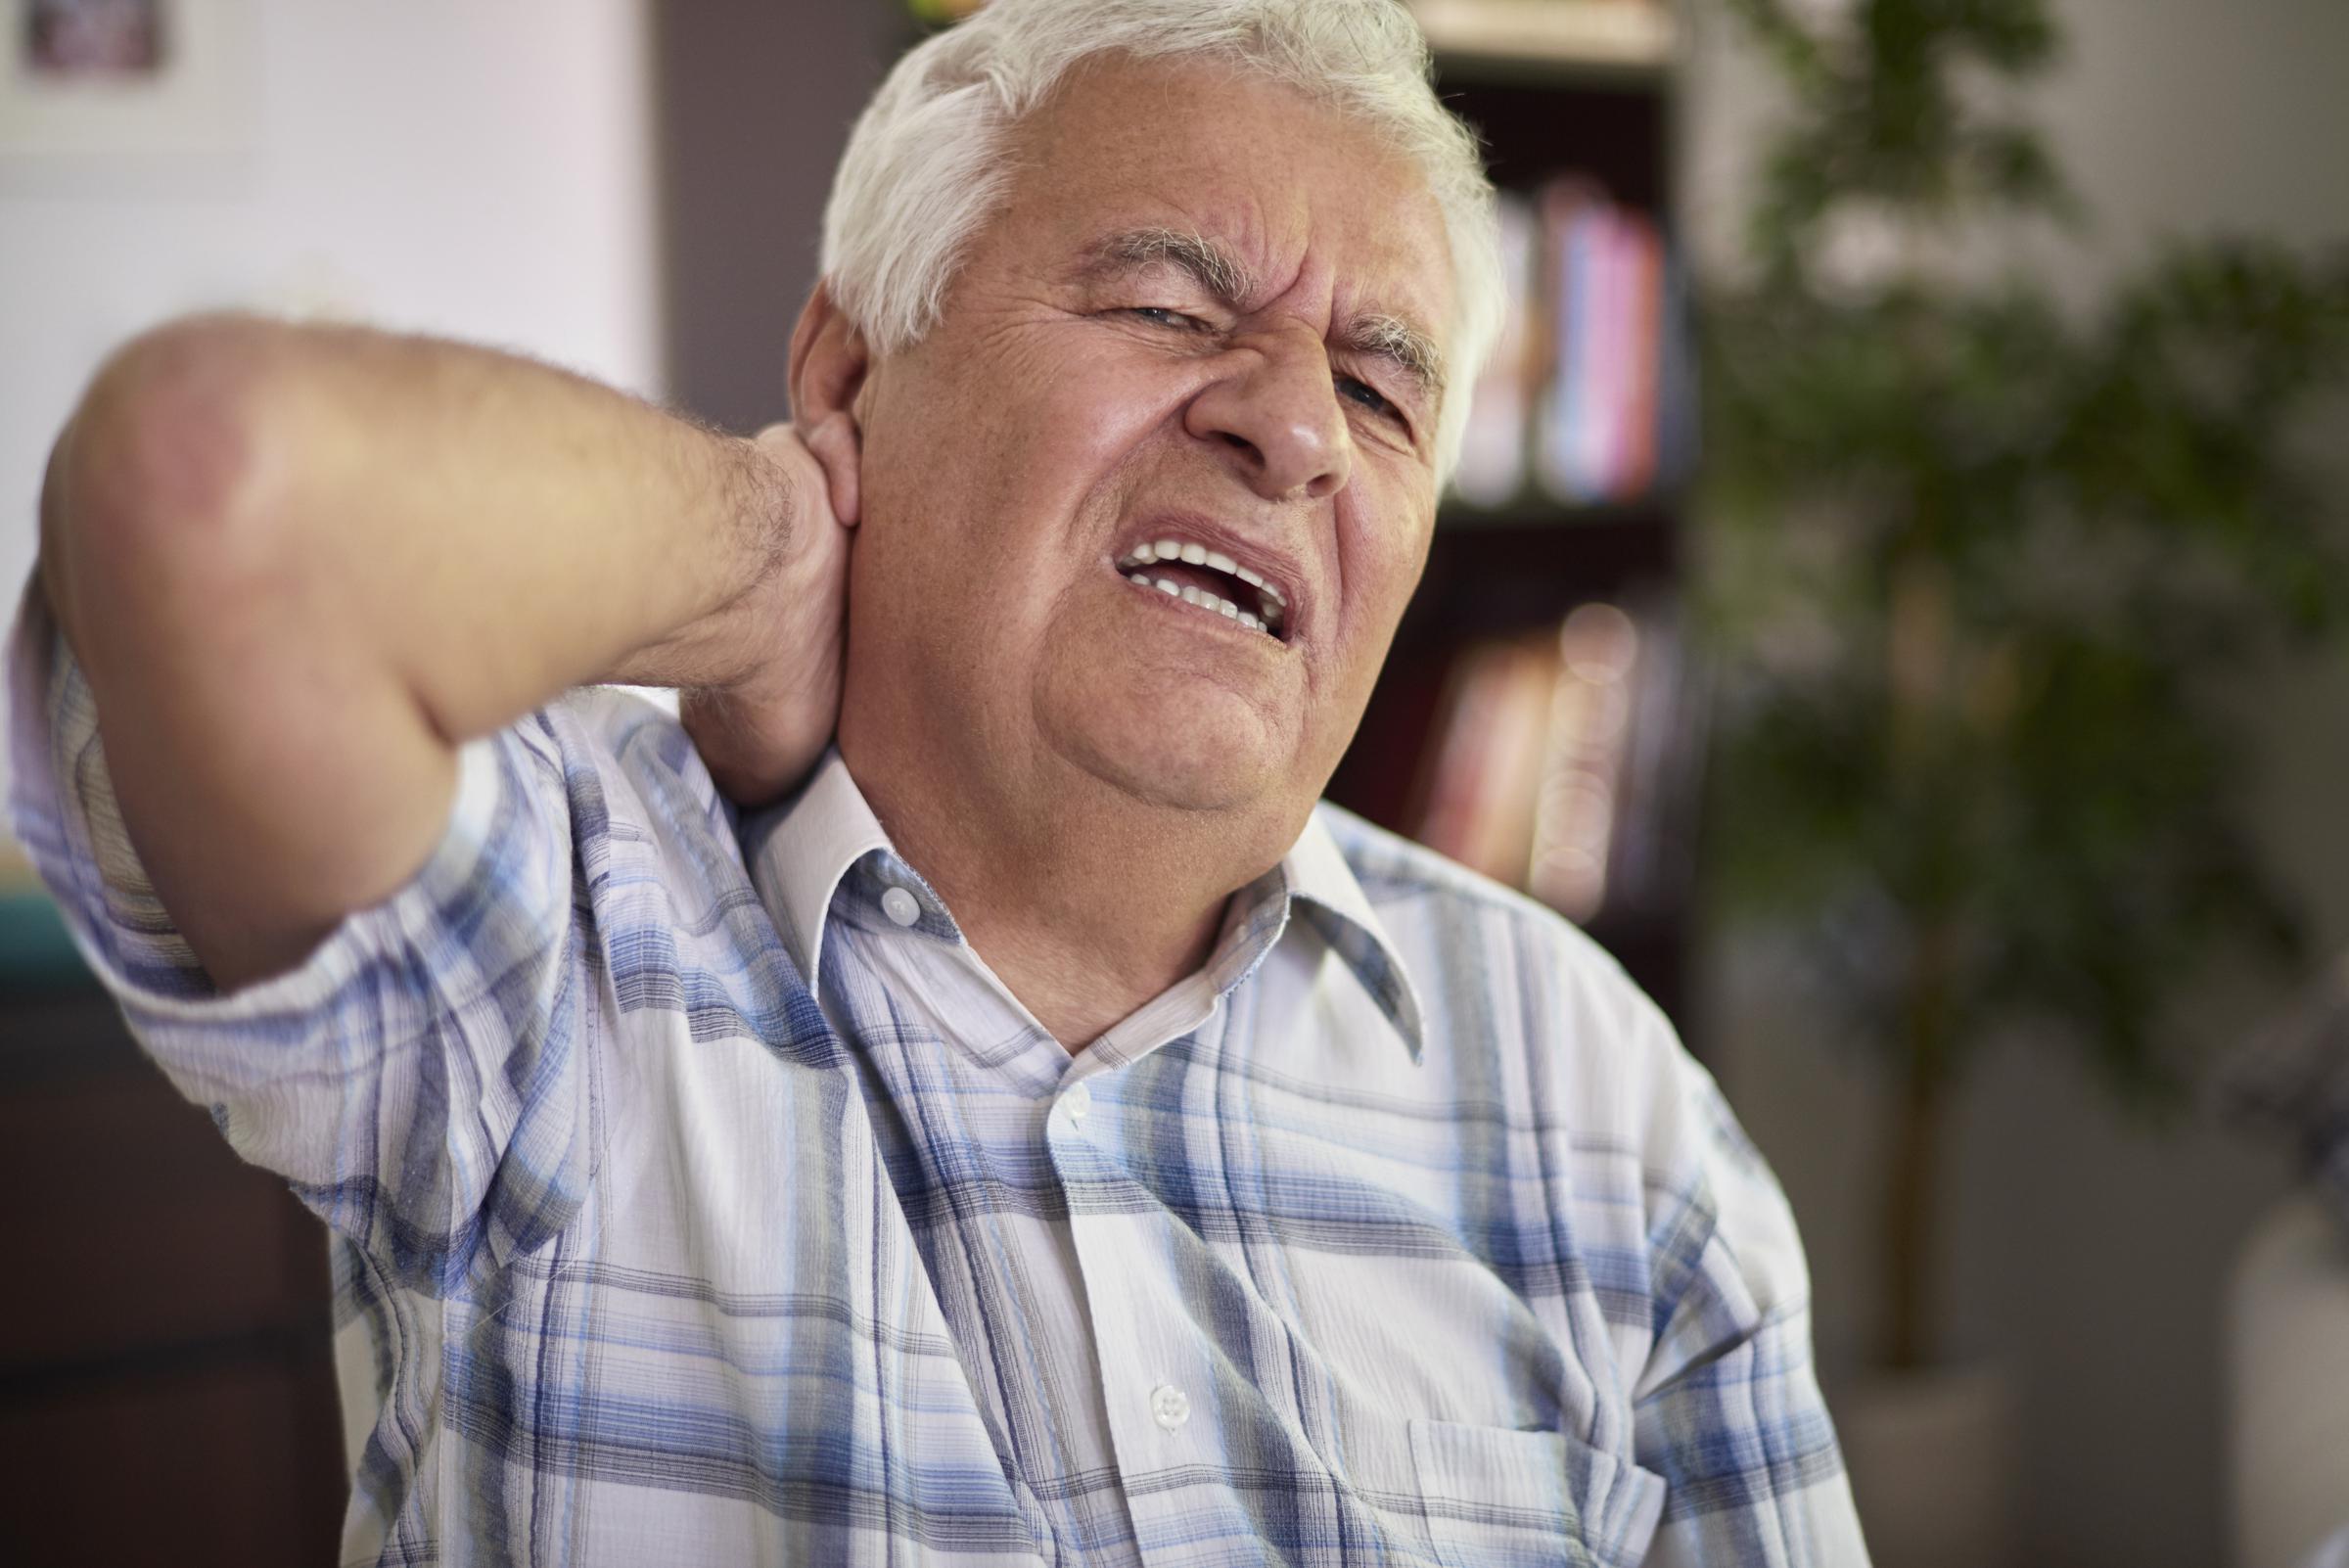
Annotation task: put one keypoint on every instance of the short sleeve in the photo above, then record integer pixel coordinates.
(1727, 1410)
(419, 1080)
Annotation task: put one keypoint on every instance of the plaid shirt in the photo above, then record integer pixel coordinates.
(701, 1198)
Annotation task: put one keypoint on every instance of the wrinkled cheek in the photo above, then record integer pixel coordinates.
(1391, 572)
(1096, 430)
(1369, 633)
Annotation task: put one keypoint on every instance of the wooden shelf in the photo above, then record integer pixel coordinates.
(1533, 509)
(1493, 574)
(1632, 36)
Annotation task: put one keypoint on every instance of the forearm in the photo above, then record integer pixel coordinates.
(301, 566)
(490, 531)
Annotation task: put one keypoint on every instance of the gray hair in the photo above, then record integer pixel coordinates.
(925, 167)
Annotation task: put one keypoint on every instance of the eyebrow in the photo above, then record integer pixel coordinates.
(1208, 264)
(1225, 279)
(1395, 339)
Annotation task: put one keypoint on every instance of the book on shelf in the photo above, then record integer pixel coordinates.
(1485, 764)
(1491, 468)
(1577, 806)
(1590, 395)
(1554, 761)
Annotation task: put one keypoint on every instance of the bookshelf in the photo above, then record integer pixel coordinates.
(1558, 89)
(1552, 37)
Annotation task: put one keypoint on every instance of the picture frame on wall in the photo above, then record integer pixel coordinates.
(91, 84)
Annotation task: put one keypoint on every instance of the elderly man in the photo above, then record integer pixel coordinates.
(957, 1098)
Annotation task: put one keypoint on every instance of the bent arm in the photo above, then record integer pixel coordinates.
(300, 566)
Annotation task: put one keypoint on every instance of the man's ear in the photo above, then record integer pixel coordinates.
(828, 362)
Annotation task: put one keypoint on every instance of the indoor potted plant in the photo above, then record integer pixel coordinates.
(1975, 565)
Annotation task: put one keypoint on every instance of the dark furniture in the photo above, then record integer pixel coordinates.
(166, 1382)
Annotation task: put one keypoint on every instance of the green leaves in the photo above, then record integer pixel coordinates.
(1975, 565)
(1893, 113)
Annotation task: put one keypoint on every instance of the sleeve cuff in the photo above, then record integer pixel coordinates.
(62, 807)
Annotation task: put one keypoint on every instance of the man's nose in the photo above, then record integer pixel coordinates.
(1277, 411)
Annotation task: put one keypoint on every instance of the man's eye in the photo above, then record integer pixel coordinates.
(1370, 396)
(1161, 316)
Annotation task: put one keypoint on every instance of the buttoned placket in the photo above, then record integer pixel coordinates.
(959, 981)
(1152, 1367)
(1155, 1368)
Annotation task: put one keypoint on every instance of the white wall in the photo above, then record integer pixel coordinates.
(484, 171)
(2087, 1249)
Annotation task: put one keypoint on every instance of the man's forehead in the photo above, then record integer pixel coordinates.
(1188, 148)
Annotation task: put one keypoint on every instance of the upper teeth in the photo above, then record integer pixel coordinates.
(1274, 605)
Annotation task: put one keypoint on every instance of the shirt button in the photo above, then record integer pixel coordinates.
(902, 906)
(1169, 1406)
(1078, 1101)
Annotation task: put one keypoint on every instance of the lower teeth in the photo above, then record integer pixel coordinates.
(1204, 600)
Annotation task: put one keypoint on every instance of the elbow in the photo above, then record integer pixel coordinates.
(160, 481)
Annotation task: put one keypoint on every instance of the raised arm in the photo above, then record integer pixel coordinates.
(301, 564)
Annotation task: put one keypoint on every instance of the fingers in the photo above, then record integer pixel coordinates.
(835, 445)
(831, 445)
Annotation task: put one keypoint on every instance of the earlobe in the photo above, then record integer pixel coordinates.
(828, 364)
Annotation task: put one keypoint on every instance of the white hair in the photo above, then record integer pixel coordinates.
(925, 169)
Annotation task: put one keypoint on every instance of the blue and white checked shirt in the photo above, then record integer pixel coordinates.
(701, 1198)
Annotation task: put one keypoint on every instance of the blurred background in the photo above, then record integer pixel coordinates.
(1892, 597)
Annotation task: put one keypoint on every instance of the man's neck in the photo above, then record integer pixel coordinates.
(1085, 913)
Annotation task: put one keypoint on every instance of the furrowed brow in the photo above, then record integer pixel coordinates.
(1224, 277)
(1411, 350)
(1209, 266)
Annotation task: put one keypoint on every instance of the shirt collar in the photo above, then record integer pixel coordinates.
(798, 849)
(1325, 887)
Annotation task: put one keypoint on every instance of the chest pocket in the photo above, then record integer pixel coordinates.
(1497, 1497)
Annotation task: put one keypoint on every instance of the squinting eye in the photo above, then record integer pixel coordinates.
(1370, 396)
(1161, 316)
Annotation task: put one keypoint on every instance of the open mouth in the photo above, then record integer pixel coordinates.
(1211, 580)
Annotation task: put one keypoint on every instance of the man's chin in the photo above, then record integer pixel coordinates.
(1190, 769)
